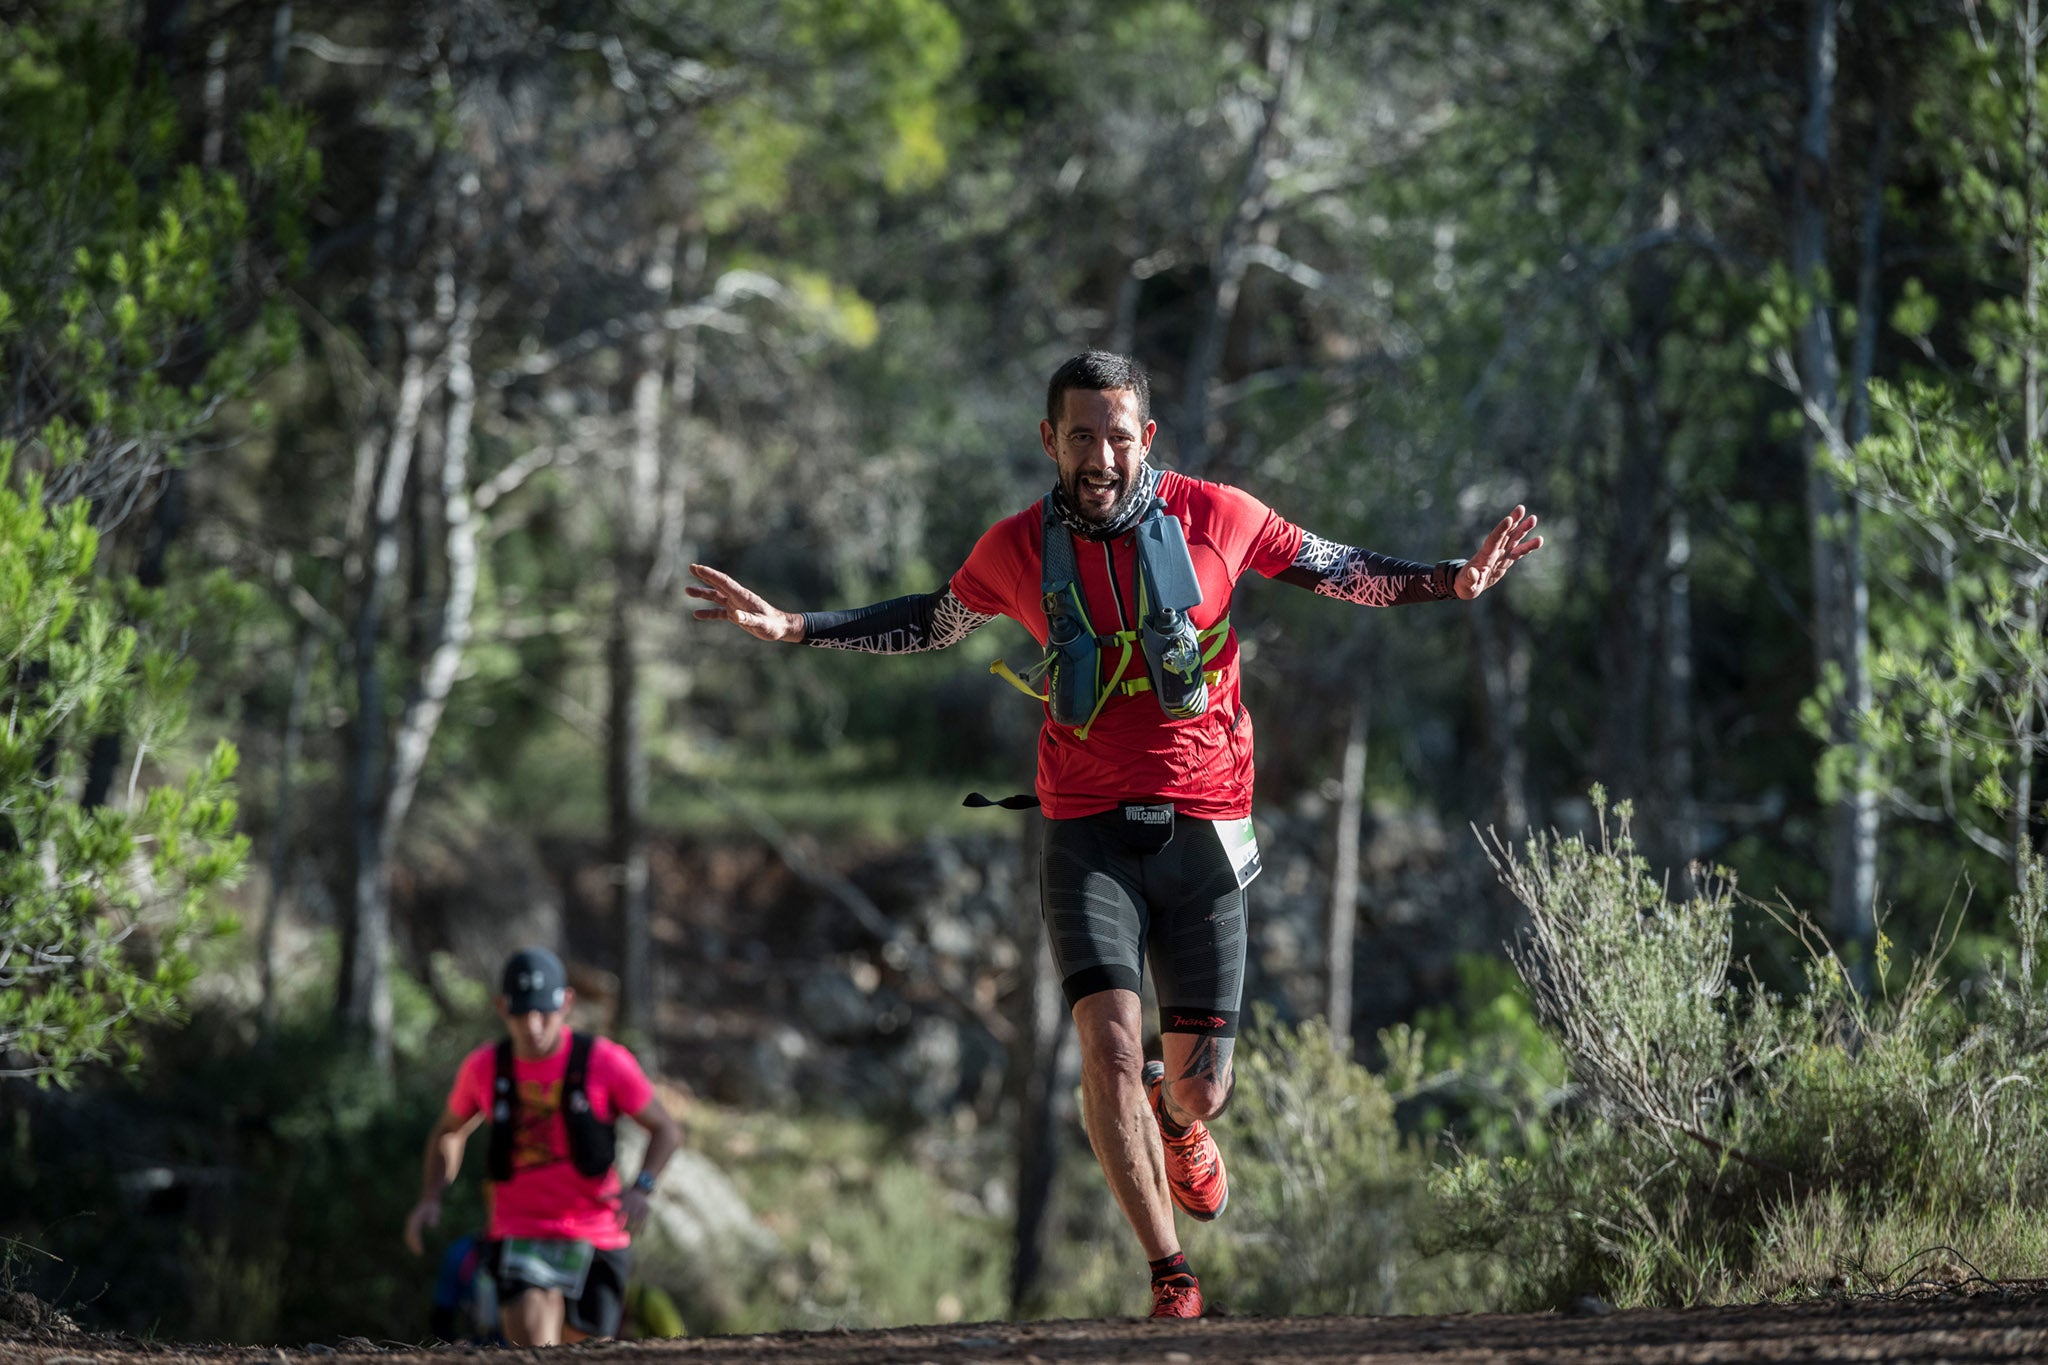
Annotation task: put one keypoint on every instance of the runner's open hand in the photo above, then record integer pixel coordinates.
(425, 1214)
(1505, 543)
(633, 1205)
(742, 606)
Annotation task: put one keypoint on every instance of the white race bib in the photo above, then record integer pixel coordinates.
(546, 1263)
(1241, 846)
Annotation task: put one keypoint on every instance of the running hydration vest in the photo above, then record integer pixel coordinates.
(592, 1143)
(1174, 651)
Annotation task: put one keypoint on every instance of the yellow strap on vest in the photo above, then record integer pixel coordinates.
(1129, 638)
(1211, 676)
(1212, 644)
(1009, 675)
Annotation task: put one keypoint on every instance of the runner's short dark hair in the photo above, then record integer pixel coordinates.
(1098, 371)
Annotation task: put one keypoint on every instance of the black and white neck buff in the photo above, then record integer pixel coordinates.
(1137, 498)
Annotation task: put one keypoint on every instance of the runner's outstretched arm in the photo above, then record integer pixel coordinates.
(902, 625)
(1376, 580)
(438, 1167)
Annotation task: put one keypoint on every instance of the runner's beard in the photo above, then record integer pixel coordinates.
(1115, 510)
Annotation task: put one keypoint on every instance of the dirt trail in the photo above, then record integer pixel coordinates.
(2008, 1323)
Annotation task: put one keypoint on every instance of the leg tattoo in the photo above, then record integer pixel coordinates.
(1210, 1061)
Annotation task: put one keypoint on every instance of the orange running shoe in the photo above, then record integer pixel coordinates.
(1194, 1168)
(1177, 1296)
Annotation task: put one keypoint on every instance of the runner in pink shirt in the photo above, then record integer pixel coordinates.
(560, 1223)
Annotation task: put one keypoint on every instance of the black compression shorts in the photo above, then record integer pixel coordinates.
(597, 1310)
(1109, 907)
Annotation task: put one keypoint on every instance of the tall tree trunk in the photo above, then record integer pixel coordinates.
(1856, 818)
(2032, 32)
(1340, 935)
(1286, 56)
(639, 532)
(459, 537)
(1674, 767)
(626, 787)
(1833, 527)
(281, 824)
(1502, 648)
(1041, 1065)
(280, 44)
(364, 998)
(1634, 556)
(215, 100)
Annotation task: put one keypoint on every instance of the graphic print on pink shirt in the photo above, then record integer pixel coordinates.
(547, 1196)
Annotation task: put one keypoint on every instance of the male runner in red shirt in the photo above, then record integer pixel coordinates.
(1148, 843)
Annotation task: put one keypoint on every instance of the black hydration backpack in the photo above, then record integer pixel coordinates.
(592, 1144)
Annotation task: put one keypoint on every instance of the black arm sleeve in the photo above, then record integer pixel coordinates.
(902, 625)
(1367, 577)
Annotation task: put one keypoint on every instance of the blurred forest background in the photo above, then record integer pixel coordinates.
(372, 370)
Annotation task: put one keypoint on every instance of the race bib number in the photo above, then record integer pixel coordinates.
(1241, 846)
(546, 1263)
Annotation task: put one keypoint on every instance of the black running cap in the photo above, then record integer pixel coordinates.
(534, 980)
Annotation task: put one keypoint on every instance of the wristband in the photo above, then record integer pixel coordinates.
(1443, 582)
(644, 1182)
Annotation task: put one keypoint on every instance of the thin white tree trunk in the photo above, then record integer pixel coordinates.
(1341, 924)
(2033, 244)
(1041, 1064)
(459, 536)
(281, 824)
(639, 533)
(1676, 769)
(1832, 527)
(365, 1002)
(1286, 57)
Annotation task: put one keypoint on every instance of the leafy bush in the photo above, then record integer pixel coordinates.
(876, 1230)
(98, 905)
(1736, 1144)
(1328, 1197)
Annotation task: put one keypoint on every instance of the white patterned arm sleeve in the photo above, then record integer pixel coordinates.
(1367, 577)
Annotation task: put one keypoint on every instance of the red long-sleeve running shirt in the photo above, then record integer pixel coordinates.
(1134, 751)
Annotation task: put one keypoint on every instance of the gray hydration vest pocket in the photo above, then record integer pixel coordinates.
(1167, 589)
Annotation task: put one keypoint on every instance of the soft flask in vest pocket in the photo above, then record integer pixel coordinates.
(1167, 587)
(1072, 678)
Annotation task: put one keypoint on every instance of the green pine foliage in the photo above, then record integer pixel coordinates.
(1953, 466)
(97, 906)
(133, 282)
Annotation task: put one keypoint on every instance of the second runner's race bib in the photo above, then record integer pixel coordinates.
(546, 1263)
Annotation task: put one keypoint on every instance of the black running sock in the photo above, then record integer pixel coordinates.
(1166, 1267)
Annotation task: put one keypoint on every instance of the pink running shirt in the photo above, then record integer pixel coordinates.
(547, 1196)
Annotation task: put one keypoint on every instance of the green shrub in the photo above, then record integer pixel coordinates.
(99, 905)
(1734, 1144)
(876, 1230)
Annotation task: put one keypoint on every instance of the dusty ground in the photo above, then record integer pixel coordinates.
(2004, 1323)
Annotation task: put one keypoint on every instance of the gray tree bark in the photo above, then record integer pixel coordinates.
(1340, 930)
(2031, 32)
(1044, 1064)
(639, 531)
(1286, 57)
(1501, 645)
(1840, 597)
(281, 826)
(1674, 767)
